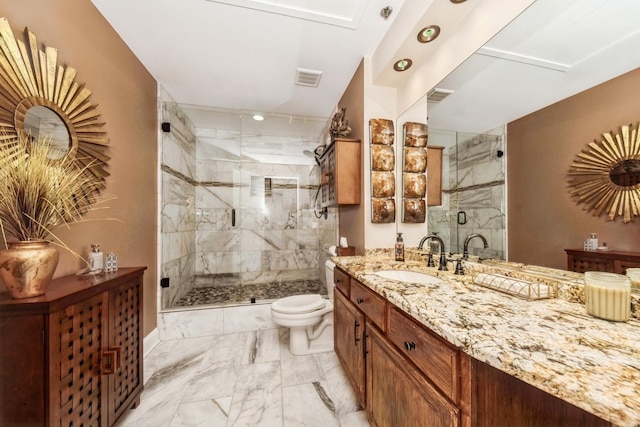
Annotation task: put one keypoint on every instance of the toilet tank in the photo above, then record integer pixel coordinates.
(328, 267)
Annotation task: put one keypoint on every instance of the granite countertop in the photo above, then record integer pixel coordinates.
(552, 344)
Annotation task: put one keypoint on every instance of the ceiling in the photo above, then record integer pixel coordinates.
(242, 55)
(553, 50)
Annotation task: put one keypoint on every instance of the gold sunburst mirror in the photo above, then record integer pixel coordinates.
(39, 95)
(605, 176)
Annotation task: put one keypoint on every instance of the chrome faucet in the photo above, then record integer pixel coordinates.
(465, 250)
(443, 255)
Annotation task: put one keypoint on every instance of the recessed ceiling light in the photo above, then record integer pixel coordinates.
(428, 34)
(403, 64)
(258, 117)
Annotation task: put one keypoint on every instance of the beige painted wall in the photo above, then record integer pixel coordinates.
(126, 96)
(351, 218)
(543, 220)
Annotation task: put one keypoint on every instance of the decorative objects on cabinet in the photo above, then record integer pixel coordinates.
(434, 175)
(579, 260)
(39, 191)
(73, 356)
(383, 180)
(414, 180)
(340, 166)
(27, 267)
(605, 177)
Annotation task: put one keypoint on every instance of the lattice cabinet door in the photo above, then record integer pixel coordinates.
(125, 340)
(77, 338)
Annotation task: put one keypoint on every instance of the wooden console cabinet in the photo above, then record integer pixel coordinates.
(405, 375)
(579, 260)
(73, 356)
(340, 167)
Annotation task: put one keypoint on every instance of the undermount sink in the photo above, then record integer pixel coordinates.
(408, 276)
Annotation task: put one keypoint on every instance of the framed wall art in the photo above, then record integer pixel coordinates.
(414, 167)
(383, 182)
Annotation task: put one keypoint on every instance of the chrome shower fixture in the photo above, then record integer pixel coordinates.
(316, 154)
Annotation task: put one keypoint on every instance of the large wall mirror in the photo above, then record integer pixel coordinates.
(41, 97)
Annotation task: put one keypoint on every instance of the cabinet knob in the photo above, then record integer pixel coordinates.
(359, 300)
(409, 345)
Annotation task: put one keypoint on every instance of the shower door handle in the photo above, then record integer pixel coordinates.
(233, 217)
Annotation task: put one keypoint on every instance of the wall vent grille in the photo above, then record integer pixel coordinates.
(306, 77)
(438, 94)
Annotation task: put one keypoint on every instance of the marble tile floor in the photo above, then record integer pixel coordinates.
(243, 379)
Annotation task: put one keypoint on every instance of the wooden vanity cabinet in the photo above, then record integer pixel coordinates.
(502, 400)
(406, 375)
(579, 260)
(348, 329)
(434, 175)
(340, 167)
(74, 355)
(397, 393)
(436, 359)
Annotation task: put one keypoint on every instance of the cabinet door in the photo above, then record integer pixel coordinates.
(77, 387)
(434, 176)
(348, 341)
(125, 346)
(22, 371)
(397, 395)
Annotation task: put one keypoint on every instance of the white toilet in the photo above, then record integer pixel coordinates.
(309, 317)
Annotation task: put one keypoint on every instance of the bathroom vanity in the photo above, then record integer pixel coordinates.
(454, 353)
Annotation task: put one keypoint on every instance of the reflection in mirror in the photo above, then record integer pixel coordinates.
(41, 120)
(626, 173)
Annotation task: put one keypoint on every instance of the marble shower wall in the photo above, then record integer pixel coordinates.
(276, 237)
(178, 222)
(474, 183)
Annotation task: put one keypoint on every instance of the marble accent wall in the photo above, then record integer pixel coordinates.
(178, 203)
(276, 237)
(474, 183)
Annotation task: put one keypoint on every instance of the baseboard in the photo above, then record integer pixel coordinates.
(150, 341)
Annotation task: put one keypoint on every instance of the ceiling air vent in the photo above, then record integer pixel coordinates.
(306, 77)
(437, 94)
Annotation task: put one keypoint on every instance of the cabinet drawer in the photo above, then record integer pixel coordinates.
(369, 302)
(341, 280)
(437, 360)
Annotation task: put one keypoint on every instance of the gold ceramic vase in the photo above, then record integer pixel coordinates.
(26, 268)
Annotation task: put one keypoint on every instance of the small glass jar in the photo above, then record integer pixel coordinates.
(607, 295)
(634, 275)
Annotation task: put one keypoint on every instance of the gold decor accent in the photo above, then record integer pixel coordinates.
(31, 77)
(26, 268)
(605, 177)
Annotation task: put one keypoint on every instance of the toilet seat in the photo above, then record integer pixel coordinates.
(299, 304)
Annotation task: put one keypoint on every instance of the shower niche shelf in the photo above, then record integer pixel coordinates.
(340, 166)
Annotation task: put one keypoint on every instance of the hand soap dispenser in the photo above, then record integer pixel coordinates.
(399, 248)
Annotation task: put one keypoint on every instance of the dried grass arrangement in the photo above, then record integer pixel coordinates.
(41, 188)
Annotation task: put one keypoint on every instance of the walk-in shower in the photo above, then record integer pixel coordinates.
(239, 222)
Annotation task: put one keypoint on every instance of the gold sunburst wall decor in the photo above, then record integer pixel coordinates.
(605, 176)
(31, 77)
